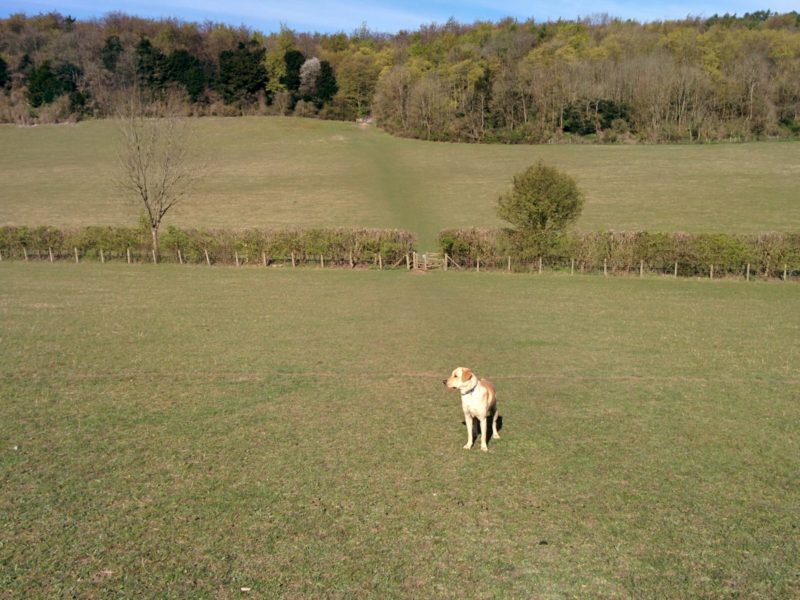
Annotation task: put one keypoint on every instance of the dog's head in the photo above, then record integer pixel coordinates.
(459, 378)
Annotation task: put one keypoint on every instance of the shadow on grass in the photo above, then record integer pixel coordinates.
(476, 427)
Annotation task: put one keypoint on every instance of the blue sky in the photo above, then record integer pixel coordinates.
(385, 15)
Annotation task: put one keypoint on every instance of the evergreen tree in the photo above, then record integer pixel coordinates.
(3, 73)
(150, 64)
(186, 69)
(111, 53)
(241, 72)
(43, 85)
(69, 75)
(25, 66)
(294, 60)
(326, 84)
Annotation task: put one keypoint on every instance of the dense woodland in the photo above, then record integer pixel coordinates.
(599, 79)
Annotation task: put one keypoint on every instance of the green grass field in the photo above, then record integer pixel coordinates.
(286, 171)
(188, 432)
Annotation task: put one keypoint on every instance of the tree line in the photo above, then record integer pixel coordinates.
(55, 68)
(600, 79)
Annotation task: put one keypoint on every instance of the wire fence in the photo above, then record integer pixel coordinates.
(572, 266)
(342, 247)
(415, 261)
(766, 255)
(210, 258)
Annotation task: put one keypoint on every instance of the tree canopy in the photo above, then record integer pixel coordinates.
(541, 199)
(726, 77)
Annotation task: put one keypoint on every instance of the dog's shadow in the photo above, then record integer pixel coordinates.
(476, 427)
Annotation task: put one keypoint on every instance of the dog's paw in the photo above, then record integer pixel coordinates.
(496, 436)
(485, 448)
(467, 446)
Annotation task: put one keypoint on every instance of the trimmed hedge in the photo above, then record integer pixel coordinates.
(337, 246)
(766, 253)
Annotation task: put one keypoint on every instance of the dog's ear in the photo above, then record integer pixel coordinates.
(466, 375)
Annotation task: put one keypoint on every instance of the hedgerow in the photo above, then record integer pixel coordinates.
(222, 246)
(627, 251)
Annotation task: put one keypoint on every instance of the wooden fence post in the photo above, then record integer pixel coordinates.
(478, 264)
(102, 257)
(605, 267)
(712, 271)
(180, 256)
(425, 261)
(509, 264)
(380, 262)
(293, 263)
(153, 252)
(129, 255)
(76, 255)
(50, 252)
(236, 257)
(208, 260)
(641, 269)
(25, 252)
(676, 269)
(446, 258)
(408, 264)
(748, 271)
(540, 265)
(321, 261)
(352, 264)
(572, 267)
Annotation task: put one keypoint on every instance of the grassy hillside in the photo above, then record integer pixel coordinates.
(154, 447)
(274, 171)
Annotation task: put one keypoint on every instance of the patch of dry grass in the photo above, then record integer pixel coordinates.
(297, 172)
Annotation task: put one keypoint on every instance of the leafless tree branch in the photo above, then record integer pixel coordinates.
(157, 156)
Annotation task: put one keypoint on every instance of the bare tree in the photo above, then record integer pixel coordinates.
(157, 156)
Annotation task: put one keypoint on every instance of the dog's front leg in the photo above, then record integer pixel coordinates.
(468, 421)
(484, 447)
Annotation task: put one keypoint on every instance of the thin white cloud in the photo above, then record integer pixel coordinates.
(386, 15)
(307, 15)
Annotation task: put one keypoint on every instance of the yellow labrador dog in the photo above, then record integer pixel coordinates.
(478, 400)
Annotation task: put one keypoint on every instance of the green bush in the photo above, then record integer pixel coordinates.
(465, 246)
(337, 246)
(624, 251)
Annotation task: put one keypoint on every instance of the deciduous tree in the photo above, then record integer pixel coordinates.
(542, 202)
(158, 161)
(309, 78)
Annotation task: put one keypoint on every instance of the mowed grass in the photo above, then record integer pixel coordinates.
(188, 432)
(285, 172)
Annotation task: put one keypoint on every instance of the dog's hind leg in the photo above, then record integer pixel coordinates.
(495, 435)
